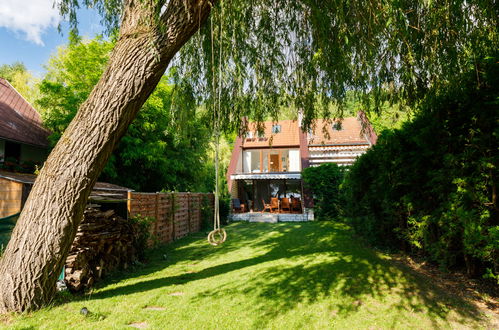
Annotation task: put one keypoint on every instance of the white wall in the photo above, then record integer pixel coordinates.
(294, 160)
(247, 161)
(239, 165)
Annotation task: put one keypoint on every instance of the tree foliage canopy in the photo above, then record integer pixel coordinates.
(314, 51)
(21, 79)
(164, 148)
(431, 186)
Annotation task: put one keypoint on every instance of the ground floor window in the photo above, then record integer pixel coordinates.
(255, 193)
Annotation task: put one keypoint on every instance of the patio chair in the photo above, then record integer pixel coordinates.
(274, 204)
(237, 206)
(285, 206)
(295, 204)
(266, 206)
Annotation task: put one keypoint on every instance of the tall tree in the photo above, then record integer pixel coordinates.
(306, 49)
(148, 39)
(316, 51)
(159, 150)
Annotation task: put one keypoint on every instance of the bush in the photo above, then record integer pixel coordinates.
(206, 214)
(430, 187)
(324, 182)
(142, 229)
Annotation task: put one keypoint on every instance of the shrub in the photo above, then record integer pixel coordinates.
(431, 186)
(142, 228)
(324, 182)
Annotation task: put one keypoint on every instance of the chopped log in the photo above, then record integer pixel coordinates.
(104, 242)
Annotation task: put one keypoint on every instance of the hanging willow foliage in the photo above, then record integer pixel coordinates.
(309, 53)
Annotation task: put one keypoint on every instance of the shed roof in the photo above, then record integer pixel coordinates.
(101, 190)
(19, 121)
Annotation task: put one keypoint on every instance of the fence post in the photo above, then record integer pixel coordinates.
(129, 204)
(156, 214)
(188, 212)
(172, 196)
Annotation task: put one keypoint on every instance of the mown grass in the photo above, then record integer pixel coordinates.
(280, 276)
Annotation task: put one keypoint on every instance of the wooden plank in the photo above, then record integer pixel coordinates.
(172, 198)
(156, 213)
(129, 204)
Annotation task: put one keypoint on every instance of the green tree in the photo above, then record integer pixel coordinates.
(21, 79)
(304, 49)
(159, 151)
(431, 186)
(317, 53)
(72, 73)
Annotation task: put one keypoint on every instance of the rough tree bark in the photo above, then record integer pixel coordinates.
(47, 226)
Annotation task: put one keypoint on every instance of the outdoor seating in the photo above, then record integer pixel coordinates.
(295, 204)
(266, 206)
(285, 206)
(237, 206)
(274, 204)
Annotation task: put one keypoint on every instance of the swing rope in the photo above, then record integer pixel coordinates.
(218, 235)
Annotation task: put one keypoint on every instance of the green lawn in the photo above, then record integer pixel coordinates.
(281, 276)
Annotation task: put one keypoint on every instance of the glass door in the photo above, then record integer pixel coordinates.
(274, 163)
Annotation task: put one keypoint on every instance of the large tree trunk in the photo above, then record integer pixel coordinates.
(47, 226)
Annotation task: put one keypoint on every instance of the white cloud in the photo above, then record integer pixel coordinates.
(29, 17)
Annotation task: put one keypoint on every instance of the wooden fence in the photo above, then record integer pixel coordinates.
(175, 214)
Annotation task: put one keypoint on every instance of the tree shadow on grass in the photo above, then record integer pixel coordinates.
(312, 261)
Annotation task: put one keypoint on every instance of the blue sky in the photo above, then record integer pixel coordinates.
(30, 35)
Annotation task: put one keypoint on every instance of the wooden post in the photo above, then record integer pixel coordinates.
(189, 212)
(129, 203)
(200, 217)
(156, 214)
(172, 198)
(254, 195)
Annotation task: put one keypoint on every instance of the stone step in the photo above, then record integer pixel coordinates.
(269, 217)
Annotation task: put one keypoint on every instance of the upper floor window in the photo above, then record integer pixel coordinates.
(249, 135)
(276, 129)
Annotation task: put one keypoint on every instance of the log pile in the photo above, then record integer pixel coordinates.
(104, 242)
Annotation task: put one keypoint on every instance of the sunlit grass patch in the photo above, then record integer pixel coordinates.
(294, 276)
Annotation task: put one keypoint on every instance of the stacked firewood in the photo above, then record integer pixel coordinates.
(104, 242)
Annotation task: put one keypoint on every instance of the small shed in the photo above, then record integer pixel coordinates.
(15, 188)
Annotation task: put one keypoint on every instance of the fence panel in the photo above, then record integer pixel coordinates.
(176, 214)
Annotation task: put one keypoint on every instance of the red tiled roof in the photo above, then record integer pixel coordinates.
(350, 132)
(19, 121)
(289, 135)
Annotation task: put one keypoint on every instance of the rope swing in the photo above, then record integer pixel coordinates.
(218, 235)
